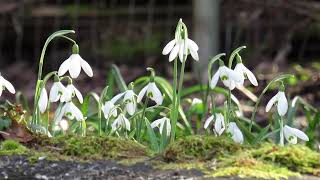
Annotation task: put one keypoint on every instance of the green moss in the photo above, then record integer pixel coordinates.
(10, 147)
(200, 148)
(297, 158)
(93, 147)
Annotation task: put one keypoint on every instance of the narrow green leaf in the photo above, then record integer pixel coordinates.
(152, 136)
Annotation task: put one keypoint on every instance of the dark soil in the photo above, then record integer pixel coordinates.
(19, 167)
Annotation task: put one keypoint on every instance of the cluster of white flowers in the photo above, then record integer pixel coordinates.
(64, 94)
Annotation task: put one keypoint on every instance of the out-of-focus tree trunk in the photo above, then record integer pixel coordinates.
(206, 31)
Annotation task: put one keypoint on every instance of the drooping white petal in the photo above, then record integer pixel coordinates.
(43, 100)
(282, 104)
(64, 67)
(166, 50)
(75, 66)
(237, 135)
(55, 94)
(131, 105)
(250, 75)
(109, 109)
(77, 113)
(208, 121)
(86, 67)
(64, 125)
(156, 94)
(231, 74)
(174, 52)
(271, 102)
(142, 93)
(1, 89)
(192, 45)
(229, 83)
(8, 85)
(194, 54)
(116, 98)
(215, 79)
(126, 122)
(156, 123)
(219, 124)
(78, 94)
(288, 134)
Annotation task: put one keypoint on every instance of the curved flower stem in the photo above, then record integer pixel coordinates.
(35, 118)
(139, 122)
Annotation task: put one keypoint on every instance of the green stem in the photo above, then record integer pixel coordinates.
(281, 132)
(176, 109)
(139, 123)
(229, 107)
(35, 117)
(174, 96)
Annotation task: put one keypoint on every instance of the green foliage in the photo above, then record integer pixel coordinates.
(11, 147)
(4, 123)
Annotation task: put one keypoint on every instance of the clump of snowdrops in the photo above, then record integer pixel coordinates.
(149, 110)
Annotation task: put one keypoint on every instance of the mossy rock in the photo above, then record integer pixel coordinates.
(92, 147)
(11, 147)
(200, 148)
(297, 158)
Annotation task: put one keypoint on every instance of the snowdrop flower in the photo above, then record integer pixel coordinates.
(219, 125)
(72, 112)
(292, 134)
(176, 48)
(59, 92)
(75, 92)
(74, 64)
(152, 92)
(196, 101)
(228, 76)
(245, 72)
(119, 122)
(235, 132)
(282, 103)
(109, 109)
(181, 46)
(43, 100)
(131, 104)
(4, 84)
(162, 122)
(63, 125)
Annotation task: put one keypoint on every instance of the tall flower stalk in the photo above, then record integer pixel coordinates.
(179, 48)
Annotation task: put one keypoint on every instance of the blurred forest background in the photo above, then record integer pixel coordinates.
(280, 35)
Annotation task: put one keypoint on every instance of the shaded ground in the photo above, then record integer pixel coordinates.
(197, 157)
(19, 167)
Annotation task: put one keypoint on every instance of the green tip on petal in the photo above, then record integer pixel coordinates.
(75, 49)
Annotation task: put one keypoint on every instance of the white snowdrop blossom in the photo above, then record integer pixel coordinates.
(75, 92)
(109, 109)
(219, 125)
(74, 64)
(196, 101)
(120, 122)
(71, 112)
(292, 134)
(163, 121)
(282, 103)
(228, 76)
(152, 92)
(177, 48)
(63, 125)
(130, 100)
(4, 84)
(245, 73)
(235, 132)
(59, 92)
(43, 100)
